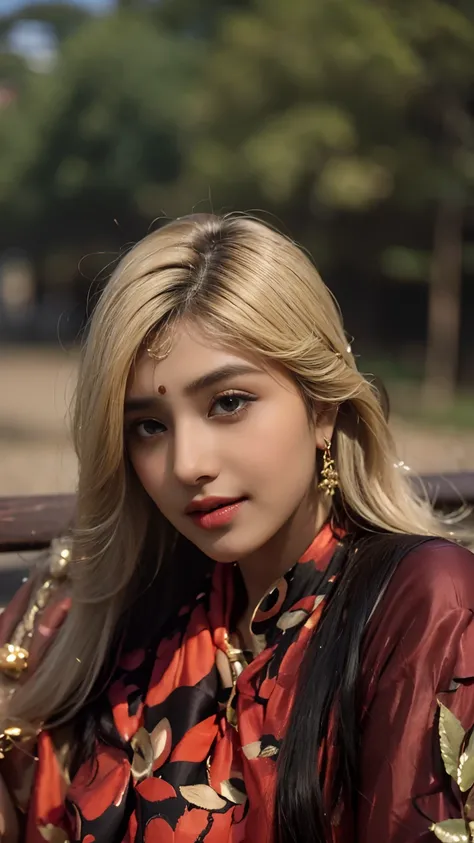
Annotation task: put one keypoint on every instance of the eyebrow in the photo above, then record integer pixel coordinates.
(197, 385)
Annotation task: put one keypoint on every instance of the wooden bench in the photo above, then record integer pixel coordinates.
(30, 523)
(27, 526)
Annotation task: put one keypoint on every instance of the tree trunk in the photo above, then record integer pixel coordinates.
(444, 307)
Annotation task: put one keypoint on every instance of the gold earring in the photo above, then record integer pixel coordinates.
(330, 480)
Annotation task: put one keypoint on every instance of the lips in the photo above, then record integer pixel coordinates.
(210, 504)
(219, 516)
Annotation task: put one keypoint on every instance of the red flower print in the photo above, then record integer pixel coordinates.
(130, 661)
(99, 785)
(169, 707)
(155, 790)
(127, 724)
(158, 829)
(199, 737)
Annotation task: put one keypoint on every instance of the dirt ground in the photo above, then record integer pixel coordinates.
(36, 389)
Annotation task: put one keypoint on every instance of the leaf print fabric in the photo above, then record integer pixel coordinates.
(201, 753)
(200, 759)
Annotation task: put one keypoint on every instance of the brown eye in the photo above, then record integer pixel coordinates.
(146, 428)
(231, 403)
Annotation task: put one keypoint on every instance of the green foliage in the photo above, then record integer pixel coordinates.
(14, 73)
(98, 133)
(329, 111)
(405, 264)
(188, 18)
(340, 104)
(295, 117)
(63, 18)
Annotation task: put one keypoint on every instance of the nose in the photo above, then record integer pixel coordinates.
(195, 459)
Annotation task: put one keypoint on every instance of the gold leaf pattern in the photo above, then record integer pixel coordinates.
(268, 752)
(469, 805)
(161, 740)
(259, 643)
(202, 796)
(223, 667)
(142, 763)
(53, 834)
(291, 619)
(451, 831)
(451, 735)
(78, 822)
(465, 775)
(232, 793)
(252, 750)
(317, 601)
(148, 747)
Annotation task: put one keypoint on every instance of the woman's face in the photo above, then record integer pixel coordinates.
(208, 422)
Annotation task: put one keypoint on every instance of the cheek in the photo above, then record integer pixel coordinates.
(287, 433)
(150, 470)
(283, 443)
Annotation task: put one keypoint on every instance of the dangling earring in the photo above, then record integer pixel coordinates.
(330, 480)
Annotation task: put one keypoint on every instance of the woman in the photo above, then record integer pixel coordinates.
(259, 616)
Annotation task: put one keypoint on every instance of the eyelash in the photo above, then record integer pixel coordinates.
(133, 427)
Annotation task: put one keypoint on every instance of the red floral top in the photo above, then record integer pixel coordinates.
(200, 765)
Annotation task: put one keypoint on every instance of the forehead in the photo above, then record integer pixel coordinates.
(185, 355)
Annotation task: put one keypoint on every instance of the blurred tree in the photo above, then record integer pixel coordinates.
(63, 18)
(302, 101)
(98, 134)
(443, 125)
(435, 174)
(347, 106)
(349, 119)
(196, 20)
(185, 17)
(14, 73)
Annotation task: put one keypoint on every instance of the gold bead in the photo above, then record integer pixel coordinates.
(13, 732)
(13, 660)
(43, 594)
(60, 559)
(15, 735)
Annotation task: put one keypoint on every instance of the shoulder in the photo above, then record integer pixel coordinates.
(428, 603)
(424, 622)
(437, 571)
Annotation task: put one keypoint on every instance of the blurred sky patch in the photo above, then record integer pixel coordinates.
(34, 40)
(7, 6)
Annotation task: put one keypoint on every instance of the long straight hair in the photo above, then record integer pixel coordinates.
(250, 288)
(327, 706)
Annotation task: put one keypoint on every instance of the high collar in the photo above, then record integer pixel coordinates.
(300, 581)
(290, 598)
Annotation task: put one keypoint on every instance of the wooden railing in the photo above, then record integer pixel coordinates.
(30, 523)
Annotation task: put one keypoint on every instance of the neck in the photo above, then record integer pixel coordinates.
(270, 562)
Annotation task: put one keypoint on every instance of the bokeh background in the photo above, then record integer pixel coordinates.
(347, 123)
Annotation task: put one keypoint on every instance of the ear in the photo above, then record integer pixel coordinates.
(324, 425)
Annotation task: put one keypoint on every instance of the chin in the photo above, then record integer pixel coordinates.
(226, 555)
(226, 550)
(222, 558)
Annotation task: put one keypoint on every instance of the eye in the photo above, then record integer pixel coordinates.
(231, 403)
(146, 428)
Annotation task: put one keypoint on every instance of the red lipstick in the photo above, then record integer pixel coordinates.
(210, 513)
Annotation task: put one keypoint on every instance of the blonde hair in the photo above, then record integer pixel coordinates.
(248, 285)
